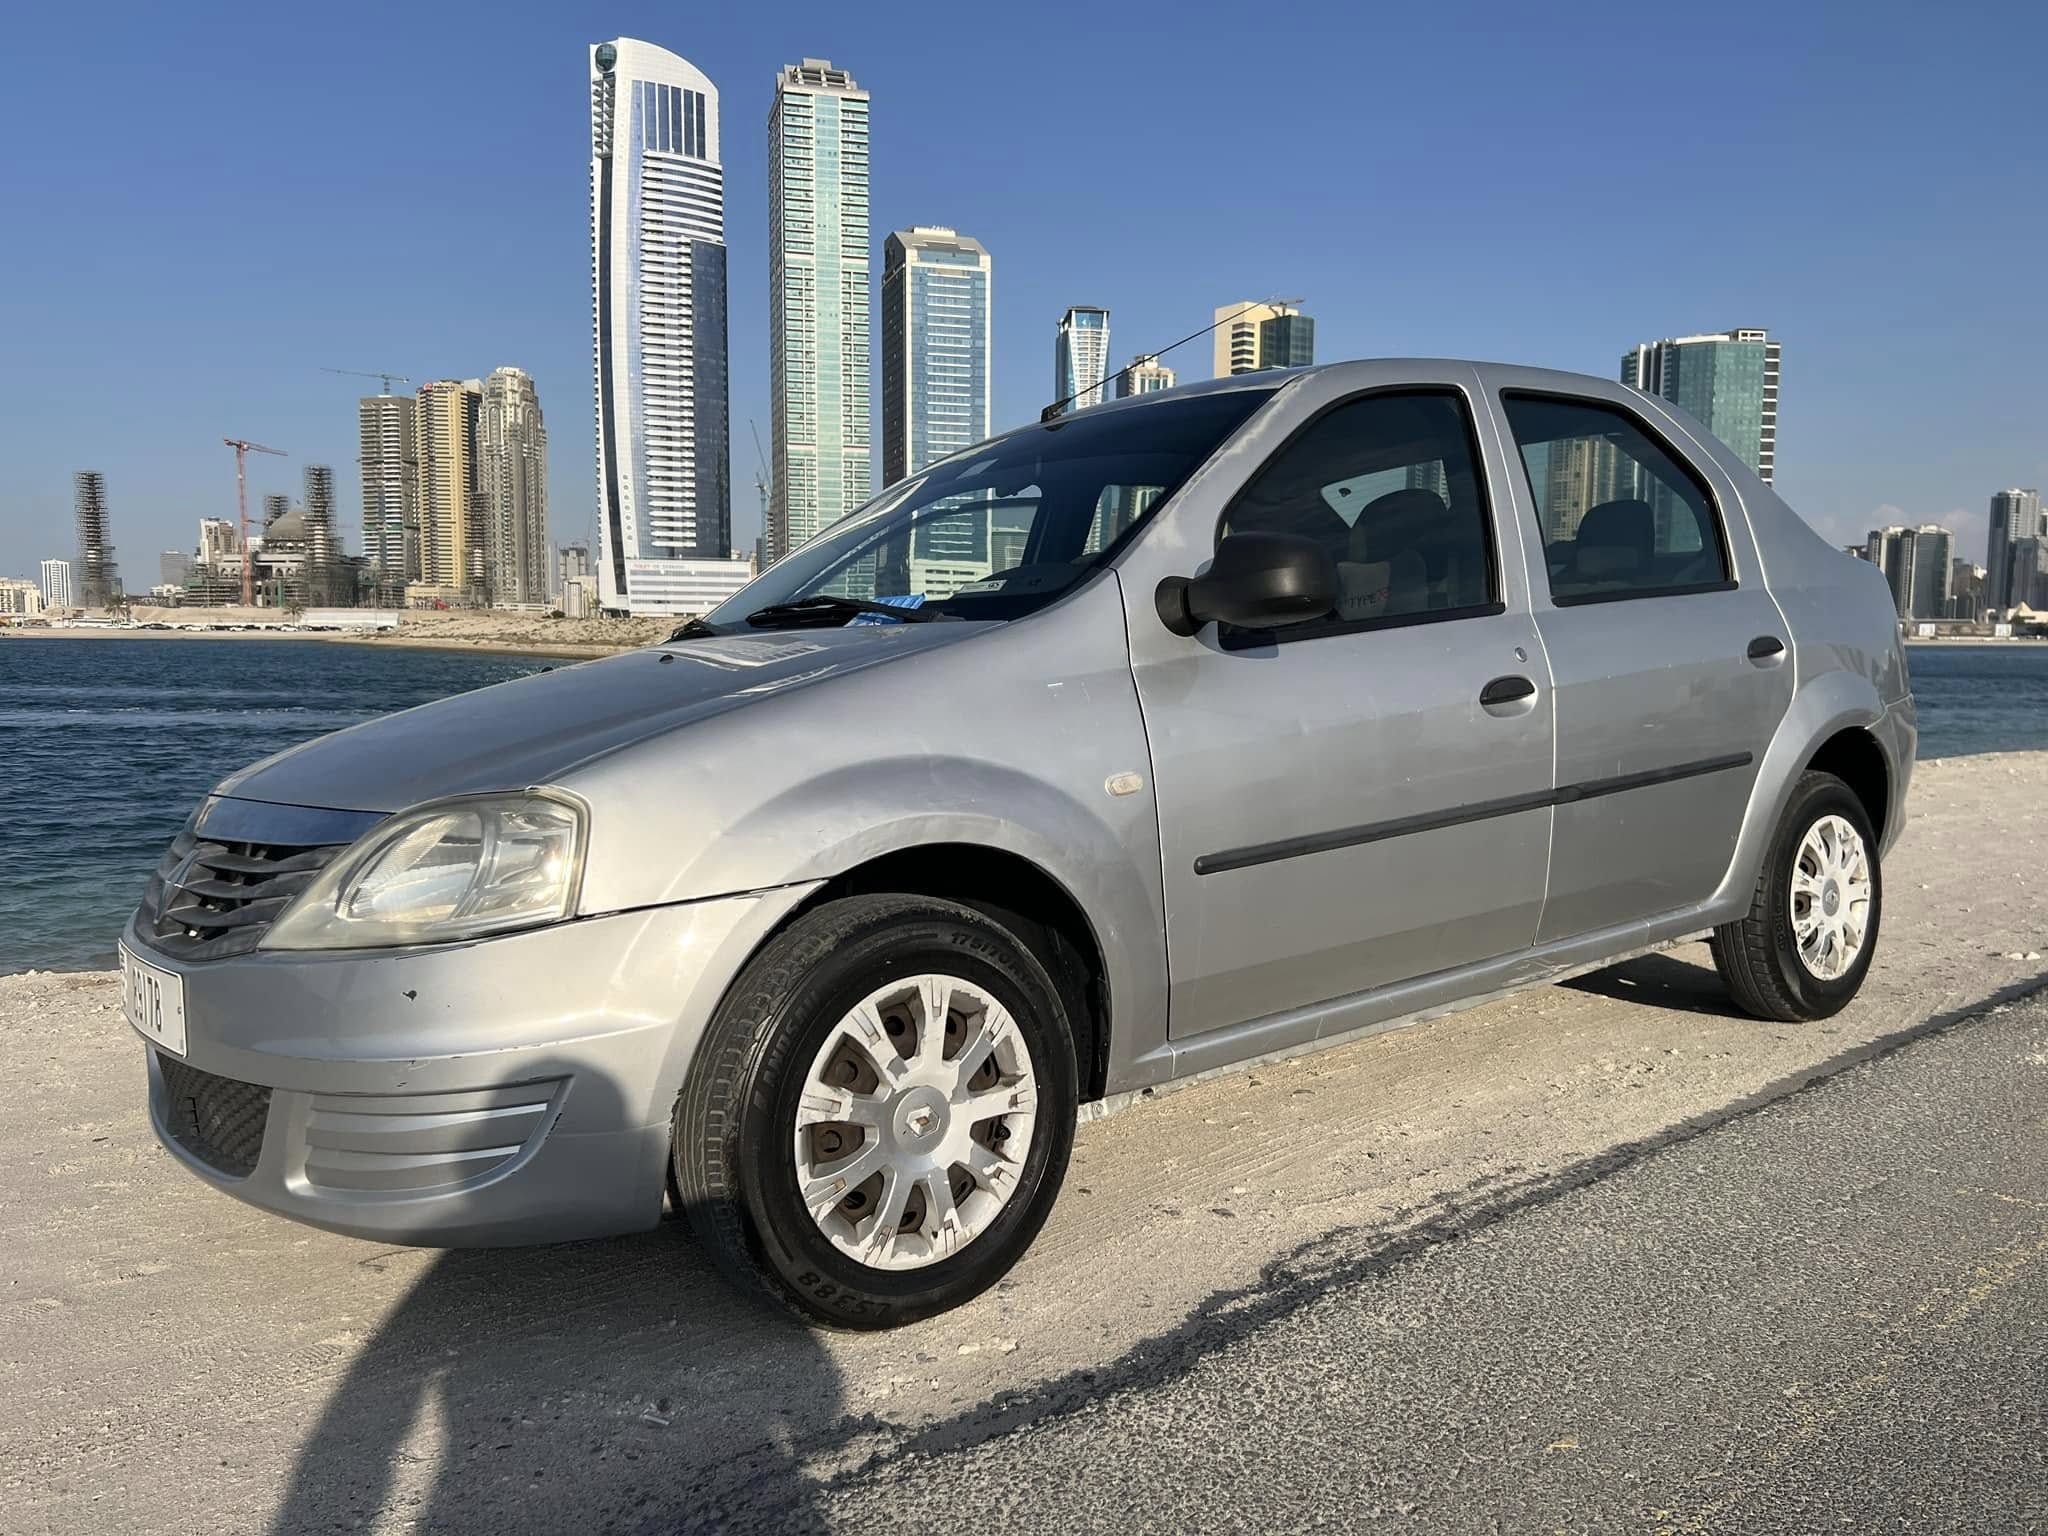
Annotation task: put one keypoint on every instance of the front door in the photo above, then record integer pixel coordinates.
(1362, 799)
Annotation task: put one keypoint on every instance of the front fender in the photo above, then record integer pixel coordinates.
(1105, 857)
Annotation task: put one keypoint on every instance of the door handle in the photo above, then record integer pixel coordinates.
(1505, 690)
(1765, 649)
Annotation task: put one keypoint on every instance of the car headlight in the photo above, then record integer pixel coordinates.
(455, 870)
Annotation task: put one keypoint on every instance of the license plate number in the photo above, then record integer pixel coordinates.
(154, 1001)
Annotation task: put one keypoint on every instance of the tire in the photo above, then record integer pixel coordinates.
(738, 1138)
(1760, 956)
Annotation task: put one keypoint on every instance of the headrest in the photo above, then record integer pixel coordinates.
(1624, 524)
(1397, 522)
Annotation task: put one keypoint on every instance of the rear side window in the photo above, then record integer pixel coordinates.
(1388, 484)
(1620, 514)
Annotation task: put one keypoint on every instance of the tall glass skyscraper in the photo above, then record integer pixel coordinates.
(818, 299)
(2015, 515)
(1080, 357)
(657, 229)
(935, 347)
(1727, 380)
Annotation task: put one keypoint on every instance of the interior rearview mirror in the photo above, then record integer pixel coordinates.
(1256, 581)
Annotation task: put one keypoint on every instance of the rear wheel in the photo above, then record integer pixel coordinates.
(1802, 950)
(877, 1122)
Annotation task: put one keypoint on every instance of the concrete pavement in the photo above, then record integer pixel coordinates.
(1827, 1312)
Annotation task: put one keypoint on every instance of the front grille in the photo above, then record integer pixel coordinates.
(216, 1119)
(211, 898)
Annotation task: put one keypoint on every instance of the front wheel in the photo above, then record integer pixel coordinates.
(1803, 948)
(878, 1119)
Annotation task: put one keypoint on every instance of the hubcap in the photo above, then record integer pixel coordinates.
(915, 1121)
(1831, 891)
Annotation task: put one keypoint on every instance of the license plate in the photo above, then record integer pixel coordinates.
(154, 1001)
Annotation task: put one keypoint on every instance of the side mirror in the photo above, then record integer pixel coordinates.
(1256, 581)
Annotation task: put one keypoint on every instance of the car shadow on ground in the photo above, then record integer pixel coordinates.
(1661, 980)
(613, 1385)
(617, 1384)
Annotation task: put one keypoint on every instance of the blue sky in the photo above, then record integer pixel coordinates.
(207, 203)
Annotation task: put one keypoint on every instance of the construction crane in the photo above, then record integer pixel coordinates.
(388, 379)
(243, 448)
(760, 473)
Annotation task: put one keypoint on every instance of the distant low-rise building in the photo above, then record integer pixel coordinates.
(19, 597)
(1966, 591)
(578, 597)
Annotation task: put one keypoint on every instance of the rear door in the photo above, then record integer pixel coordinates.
(1363, 799)
(1670, 661)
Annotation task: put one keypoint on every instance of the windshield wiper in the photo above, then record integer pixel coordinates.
(693, 629)
(824, 610)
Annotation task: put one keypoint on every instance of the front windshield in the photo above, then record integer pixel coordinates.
(1000, 530)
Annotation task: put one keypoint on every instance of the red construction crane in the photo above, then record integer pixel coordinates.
(242, 451)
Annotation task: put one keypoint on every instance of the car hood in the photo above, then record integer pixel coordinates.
(535, 729)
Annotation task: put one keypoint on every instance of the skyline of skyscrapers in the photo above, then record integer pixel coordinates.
(657, 176)
(1080, 358)
(1727, 380)
(658, 279)
(936, 347)
(820, 406)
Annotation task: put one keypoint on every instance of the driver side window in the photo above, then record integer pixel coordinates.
(1388, 484)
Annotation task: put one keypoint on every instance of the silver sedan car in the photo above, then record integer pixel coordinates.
(1209, 726)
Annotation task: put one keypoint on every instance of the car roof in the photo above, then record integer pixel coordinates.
(1375, 370)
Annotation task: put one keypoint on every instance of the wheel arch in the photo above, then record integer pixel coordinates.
(1835, 719)
(1007, 886)
(1853, 755)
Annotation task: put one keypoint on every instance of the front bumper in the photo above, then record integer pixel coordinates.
(515, 1089)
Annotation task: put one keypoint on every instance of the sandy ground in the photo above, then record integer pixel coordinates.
(175, 1361)
(481, 630)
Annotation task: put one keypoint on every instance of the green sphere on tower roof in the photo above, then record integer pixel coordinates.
(607, 56)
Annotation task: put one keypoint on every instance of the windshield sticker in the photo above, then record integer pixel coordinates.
(905, 600)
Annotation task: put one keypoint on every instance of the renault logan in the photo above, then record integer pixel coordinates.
(1234, 721)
